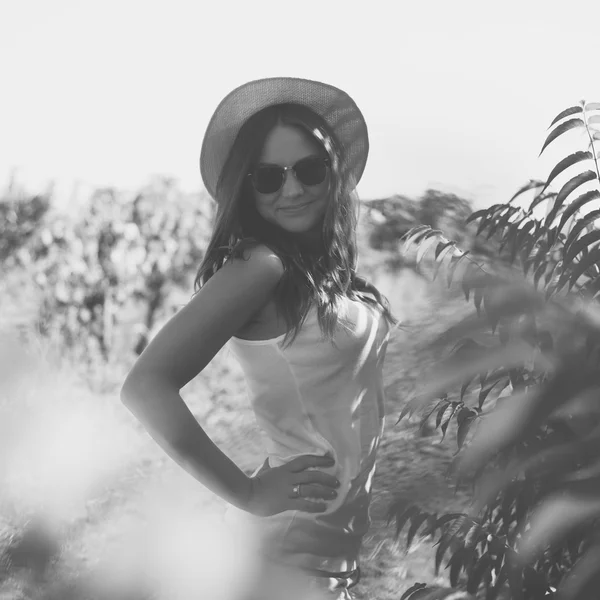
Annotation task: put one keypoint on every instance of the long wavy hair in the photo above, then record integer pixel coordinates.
(322, 277)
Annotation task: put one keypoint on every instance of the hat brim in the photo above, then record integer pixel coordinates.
(335, 106)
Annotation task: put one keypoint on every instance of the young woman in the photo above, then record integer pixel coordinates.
(278, 284)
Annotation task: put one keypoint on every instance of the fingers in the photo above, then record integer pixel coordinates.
(317, 491)
(315, 484)
(309, 461)
(324, 479)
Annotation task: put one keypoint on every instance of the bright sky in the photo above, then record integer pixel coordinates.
(457, 94)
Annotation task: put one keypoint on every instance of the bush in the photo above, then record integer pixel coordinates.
(119, 257)
(532, 454)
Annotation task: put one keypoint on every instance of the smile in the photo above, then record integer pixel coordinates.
(296, 208)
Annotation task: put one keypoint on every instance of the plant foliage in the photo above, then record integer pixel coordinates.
(521, 379)
(90, 270)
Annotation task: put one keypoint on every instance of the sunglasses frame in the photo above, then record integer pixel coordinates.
(326, 160)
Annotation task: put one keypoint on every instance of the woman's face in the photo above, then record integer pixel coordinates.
(294, 207)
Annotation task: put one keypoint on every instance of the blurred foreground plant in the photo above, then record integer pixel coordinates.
(532, 454)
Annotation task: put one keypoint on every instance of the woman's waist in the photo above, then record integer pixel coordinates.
(353, 473)
(351, 442)
(346, 518)
(305, 422)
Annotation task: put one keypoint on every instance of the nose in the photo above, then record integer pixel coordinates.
(291, 186)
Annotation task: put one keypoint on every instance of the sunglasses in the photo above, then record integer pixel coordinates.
(268, 179)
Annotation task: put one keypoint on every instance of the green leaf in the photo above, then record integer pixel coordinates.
(413, 234)
(499, 584)
(464, 426)
(430, 529)
(555, 518)
(457, 562)
(410, 406)
(529, 244)
(477, 299)
(469, 276)
(439, 553)
(444, 519)
(515, 575)
(583, 575)
(497, 546)
(565, 163)
(453, 266)
(440, 414)
(567, 189)
(582, 266)
(503, 220)
(540, 198)
(562, 128)
(523, 232)
(575, 205)
(532, 184)
(592, 106)
(539, 233)
(442, 246)
(426, 417)
(429, 240)
(483, 564)
(414, 527)
(466, 348)
(585, 242)
(513, 354)
(485, 391)
(485, 221)
(491, 213)
(448, 250)
(445, 424)
(395, 509)
(476, 215)
(510, 301)
(506, 512)
(550, 273)
(472, 535)
(594, 119)
(523, 502)
(584, 222)
(462, 414)
(513, 418)
(538, 273)
(458, 525)
(512, 233)
(542, 252)
(516, 378)
(534, 582)
(402, 518)
(410, 592)
(572, 110)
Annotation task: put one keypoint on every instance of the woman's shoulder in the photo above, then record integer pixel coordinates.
(258, 256)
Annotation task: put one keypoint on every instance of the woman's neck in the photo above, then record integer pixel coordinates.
(311, 242)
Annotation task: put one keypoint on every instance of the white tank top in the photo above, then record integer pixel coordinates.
(313, 398)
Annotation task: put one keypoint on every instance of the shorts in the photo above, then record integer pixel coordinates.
(335, 585)
(280, 583)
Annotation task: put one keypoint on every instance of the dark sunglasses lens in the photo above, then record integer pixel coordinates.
(311, 171)
(267, 180)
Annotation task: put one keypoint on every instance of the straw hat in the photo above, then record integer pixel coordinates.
(335, 106)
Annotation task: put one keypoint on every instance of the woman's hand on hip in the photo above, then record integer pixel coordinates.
(274, 490)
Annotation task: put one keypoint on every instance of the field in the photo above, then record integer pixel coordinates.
(121, 512)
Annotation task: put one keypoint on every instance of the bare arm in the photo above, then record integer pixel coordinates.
(185, 345)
